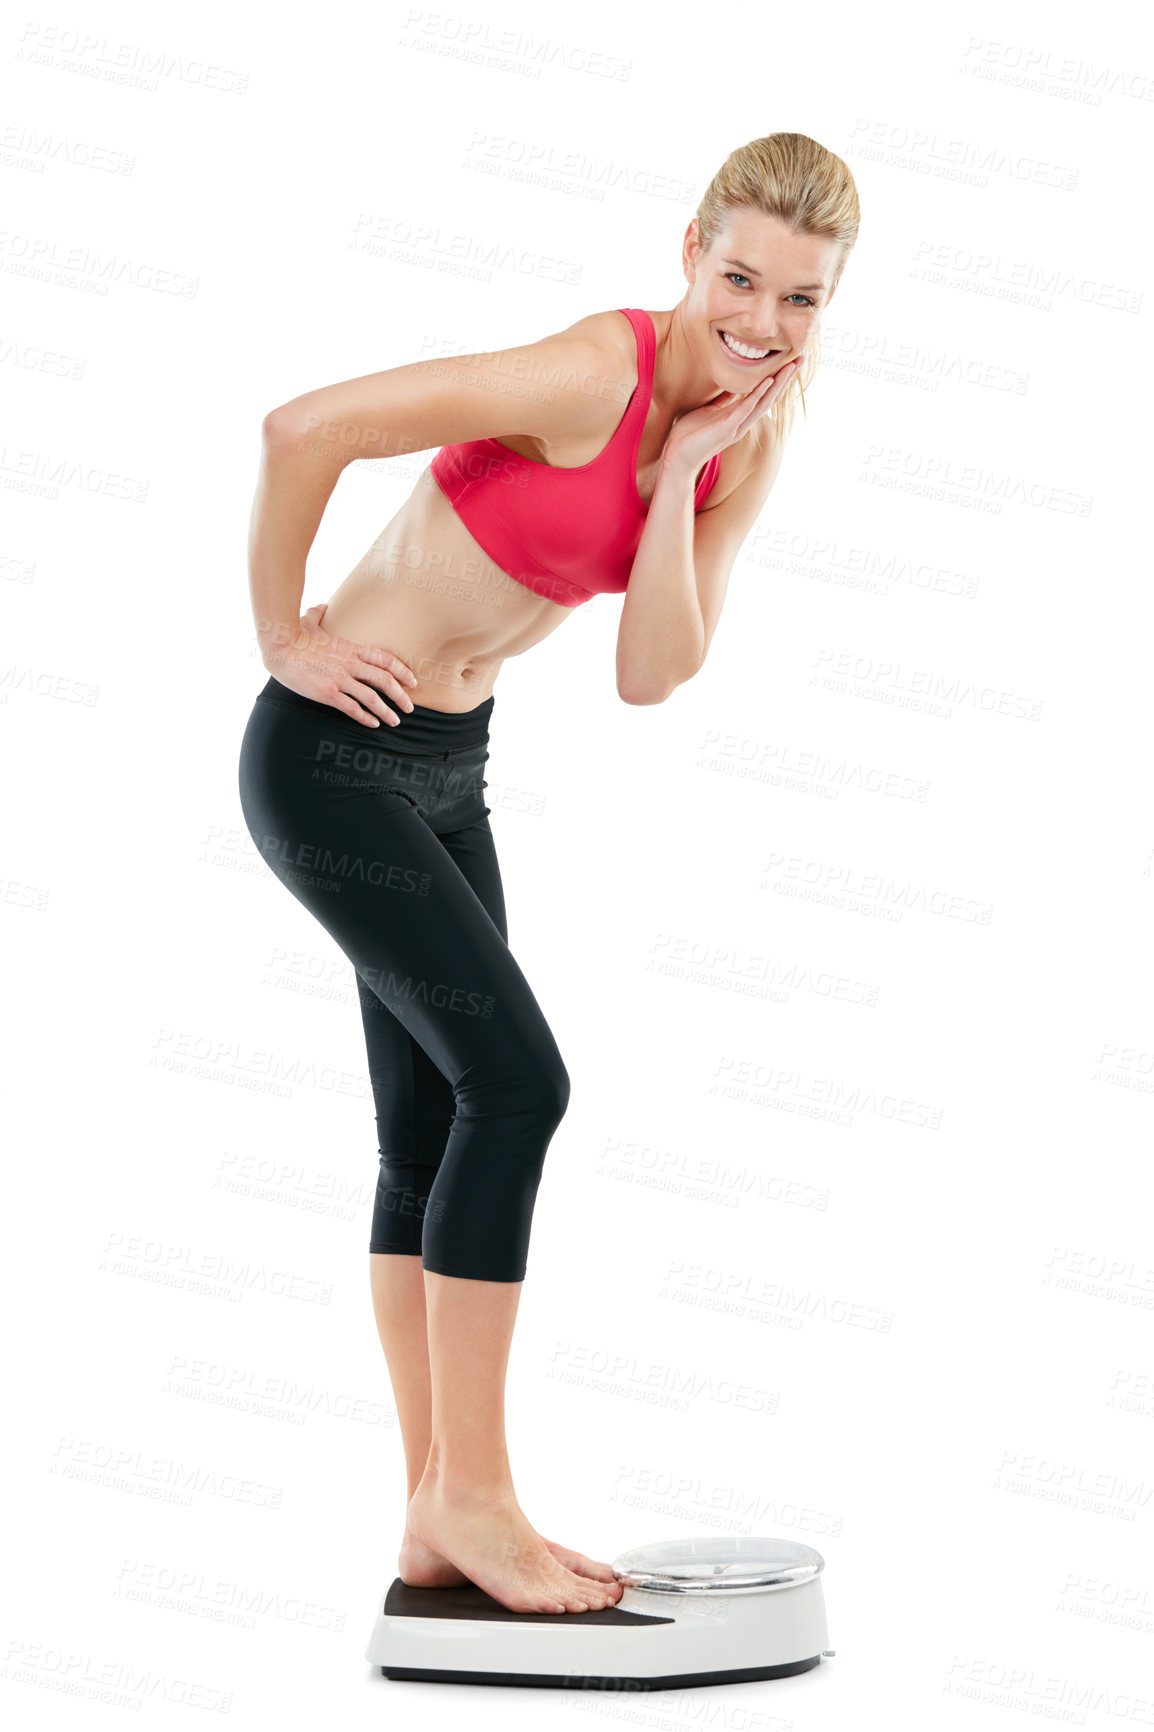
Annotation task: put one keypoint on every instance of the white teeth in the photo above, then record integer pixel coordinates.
(743, 349)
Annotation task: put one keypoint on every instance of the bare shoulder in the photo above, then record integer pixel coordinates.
(591, 367)
(602, 338)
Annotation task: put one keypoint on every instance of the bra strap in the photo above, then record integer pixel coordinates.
(646, 353)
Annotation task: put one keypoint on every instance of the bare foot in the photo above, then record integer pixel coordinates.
(583, 1566)
(421, 1567)
(489, 1541)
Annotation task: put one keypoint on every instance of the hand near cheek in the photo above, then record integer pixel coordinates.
(701, 433)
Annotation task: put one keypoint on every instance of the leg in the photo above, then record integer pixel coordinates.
(367, 866)
(414, 1112)
(365, 863)
(414, 1105)
(464, 1513)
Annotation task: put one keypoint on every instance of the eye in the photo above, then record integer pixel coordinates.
(806, 300)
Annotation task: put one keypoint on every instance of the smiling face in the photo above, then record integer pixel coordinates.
(756, 296)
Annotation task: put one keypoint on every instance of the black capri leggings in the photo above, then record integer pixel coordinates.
(383, 834)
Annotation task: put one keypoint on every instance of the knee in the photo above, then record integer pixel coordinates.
(541, 1088)
(557, 1088)
(534, 1088)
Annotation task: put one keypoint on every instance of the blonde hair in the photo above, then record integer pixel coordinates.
(790, 176)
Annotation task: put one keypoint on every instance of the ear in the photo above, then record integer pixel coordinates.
(691, 251)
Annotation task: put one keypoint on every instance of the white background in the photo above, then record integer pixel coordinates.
(845, 1236)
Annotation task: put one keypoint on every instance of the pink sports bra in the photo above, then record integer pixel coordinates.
(567, 534)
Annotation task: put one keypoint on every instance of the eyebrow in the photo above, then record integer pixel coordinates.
(748, 270)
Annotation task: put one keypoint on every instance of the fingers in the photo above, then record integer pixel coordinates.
(374, 703)
(402, 670)
(382, 658)
(348, 708)
(364, 652)
(776, 383)
(762, 398)
(377, 676)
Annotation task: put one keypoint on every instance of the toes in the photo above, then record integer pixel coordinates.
(598, 1572)
(580, 1565)
(591, 1597)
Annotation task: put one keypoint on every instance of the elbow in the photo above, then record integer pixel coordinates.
(294, 426)
(293, 430)
(280, 426)
(640, 688)
(636, 693)
(288, 423)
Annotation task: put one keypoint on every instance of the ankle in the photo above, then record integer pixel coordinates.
(466, 1482)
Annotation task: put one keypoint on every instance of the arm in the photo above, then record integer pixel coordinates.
(548, 390)
(293, 487)
(681, 571)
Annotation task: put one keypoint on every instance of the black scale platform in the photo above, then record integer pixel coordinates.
(474, 1604)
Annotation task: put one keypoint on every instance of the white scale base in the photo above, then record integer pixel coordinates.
(695, 1611)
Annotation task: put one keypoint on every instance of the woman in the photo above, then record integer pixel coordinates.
(542, 493)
